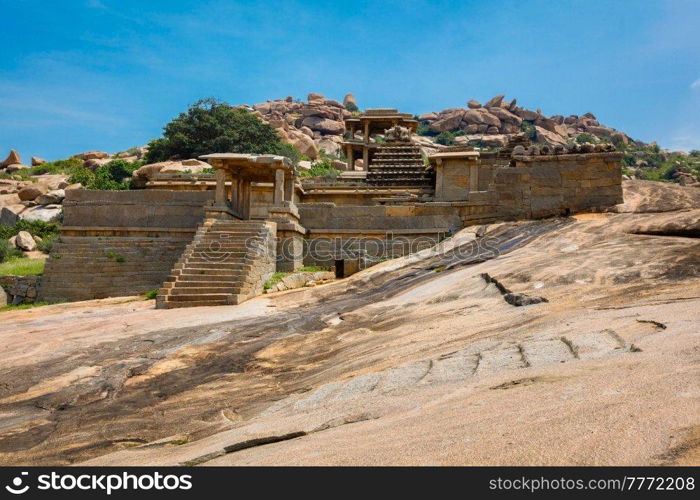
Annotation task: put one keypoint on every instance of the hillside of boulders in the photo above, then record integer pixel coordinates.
(317, 125)
(315, 128)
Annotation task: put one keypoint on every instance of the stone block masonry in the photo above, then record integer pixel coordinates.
(542, 186)
(118, 243)
(19, 289)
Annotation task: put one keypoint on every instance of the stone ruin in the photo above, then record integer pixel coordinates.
(215, 240)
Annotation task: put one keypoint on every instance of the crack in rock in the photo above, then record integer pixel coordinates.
(514, 299)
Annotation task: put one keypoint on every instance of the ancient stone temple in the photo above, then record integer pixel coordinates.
(360, 131)
(215, 239)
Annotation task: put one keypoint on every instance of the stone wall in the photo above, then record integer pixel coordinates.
(117, 243)
(375, 232)
(542, 186)
(137, 208)
(20, 289)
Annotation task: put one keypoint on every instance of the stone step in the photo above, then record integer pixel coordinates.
(206, 274)
(204, 283)
(166, 304)
(205, 291)
(195, 261)
(197, 296)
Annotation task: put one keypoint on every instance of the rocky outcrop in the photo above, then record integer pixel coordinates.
(12, 159)
(148, 172)
(36, 161)
(311, 126)
(92, 155)
(498, 117)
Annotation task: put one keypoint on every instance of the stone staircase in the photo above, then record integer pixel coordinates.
(227, 262)
(394, 165)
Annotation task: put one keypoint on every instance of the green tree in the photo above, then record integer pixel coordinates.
(212, 126)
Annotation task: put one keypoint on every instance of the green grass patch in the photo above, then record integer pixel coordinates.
(277, 277)
(19, 307)
(22, 267)
(116, 256)
(274, 279)
(151, 294)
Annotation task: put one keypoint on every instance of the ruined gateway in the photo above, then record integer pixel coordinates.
(553, 326)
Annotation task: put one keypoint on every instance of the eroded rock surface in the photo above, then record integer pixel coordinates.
(414, 361)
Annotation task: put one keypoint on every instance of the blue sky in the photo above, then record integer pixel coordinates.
(108, 74)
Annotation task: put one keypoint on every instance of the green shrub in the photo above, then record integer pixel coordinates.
(57, 167)
(46, 243)
(424, 129)
(446, 138)
(212, 126)
(82, 175)
(35, 228)
(352, 107)
(8, 251)
(321, 168)
(112, 176)
(586, 137)
(529, 130)
(151, 294)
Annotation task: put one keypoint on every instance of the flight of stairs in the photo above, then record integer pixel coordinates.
(398, 165)
(227, 262)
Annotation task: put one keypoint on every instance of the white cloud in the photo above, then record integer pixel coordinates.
(695, 84)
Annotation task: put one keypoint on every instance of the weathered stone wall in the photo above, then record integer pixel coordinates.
(116, 243)
(20, 289)
(137, 208)
(375, 232)
(542, 186)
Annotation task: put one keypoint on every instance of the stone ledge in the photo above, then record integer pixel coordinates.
(569, 157)
(381, 231)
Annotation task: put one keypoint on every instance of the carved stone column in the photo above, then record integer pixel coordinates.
(279, 188)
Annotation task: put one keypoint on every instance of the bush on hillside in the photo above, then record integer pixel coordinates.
(529, 131)
(35, 228)
(212, 126)
(323, 167)
(7, 251)
(113, 176)
(446, 138)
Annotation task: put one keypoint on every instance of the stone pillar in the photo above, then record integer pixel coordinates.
(365, 159)
(229, 189)
(473, 176)
(220, 196)
(289, 187)
(351, 158)
(245, 208)
(279, 188)
(438, 180)
(366, 135)
(234, 194)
